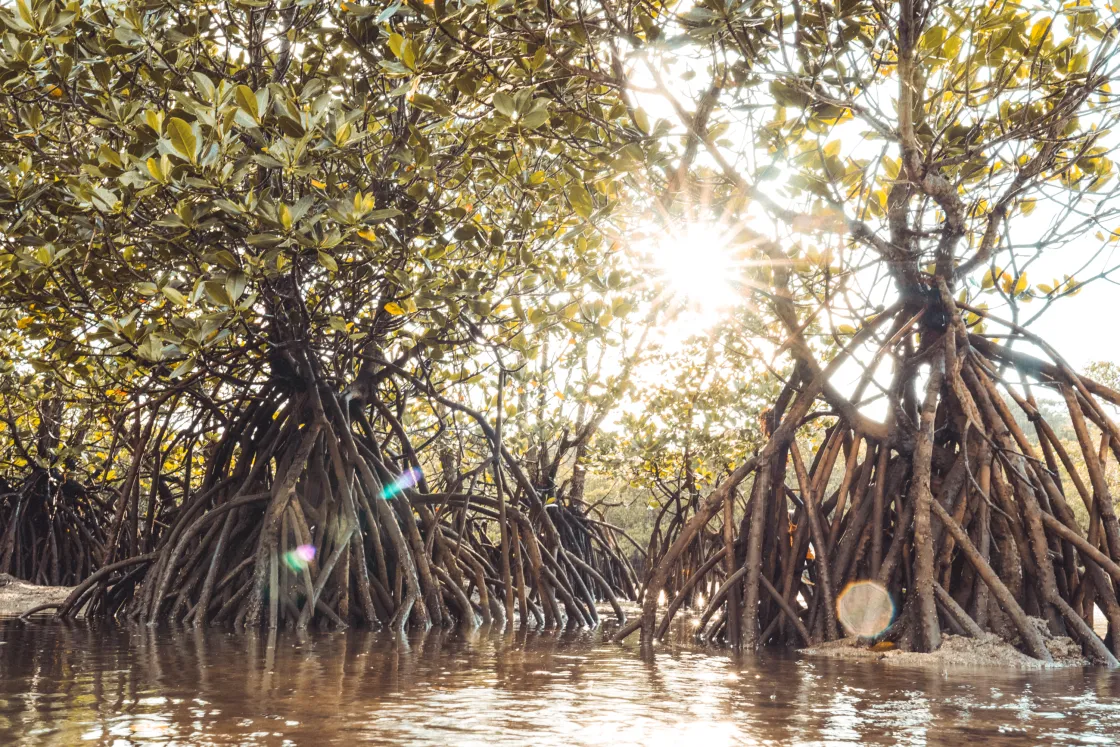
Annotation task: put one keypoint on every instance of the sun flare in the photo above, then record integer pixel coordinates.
(697, 268)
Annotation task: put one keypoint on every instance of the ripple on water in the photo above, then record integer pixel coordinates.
(76, 685)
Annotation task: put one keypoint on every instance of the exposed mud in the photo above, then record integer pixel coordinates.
(956, 651)
(17, 597)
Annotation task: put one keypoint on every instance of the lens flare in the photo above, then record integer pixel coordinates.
(406, 480)
(697, 266)
(865, 608)
(299, 558)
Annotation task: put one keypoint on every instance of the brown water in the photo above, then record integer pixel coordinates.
(64, 685)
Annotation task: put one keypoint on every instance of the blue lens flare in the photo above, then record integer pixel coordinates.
(299, 558)
(406, 480)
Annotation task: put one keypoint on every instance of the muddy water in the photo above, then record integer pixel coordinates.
(76, 685)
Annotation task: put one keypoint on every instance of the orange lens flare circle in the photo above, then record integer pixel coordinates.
(865, 608)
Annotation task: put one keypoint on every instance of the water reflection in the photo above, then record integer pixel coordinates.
(64, 685)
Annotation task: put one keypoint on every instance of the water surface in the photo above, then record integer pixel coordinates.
(64, 685)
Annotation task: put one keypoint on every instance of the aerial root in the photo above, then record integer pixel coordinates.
(963, 520)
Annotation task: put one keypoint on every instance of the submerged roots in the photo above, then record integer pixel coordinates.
(963, 513)
(312, 514)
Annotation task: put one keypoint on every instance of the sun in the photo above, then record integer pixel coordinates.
(697, 267)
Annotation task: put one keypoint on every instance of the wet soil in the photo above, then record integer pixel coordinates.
(17, 597)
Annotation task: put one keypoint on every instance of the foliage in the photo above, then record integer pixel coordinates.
(261, 261)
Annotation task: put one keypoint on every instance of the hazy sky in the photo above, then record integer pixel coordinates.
(1081, 328)
(1084, 328)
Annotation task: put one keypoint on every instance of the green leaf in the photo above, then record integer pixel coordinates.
(182, 138)
(933, 39)
(383, 214)
(183, 368)
(216, 292)
(573, 326)
(388, 13)
(235, 284)
(535, 119)
(538, 59)
(328, 261)
(174, 296)
(396, 44)
(154, 120)
(581, 200)
(247, 100)
(505, 105)
(25, 13)
(641, 119)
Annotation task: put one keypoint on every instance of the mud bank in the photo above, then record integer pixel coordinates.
(956, 651)
(17, 597)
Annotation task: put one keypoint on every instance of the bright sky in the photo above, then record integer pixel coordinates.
(697, 267)
(1083, 329)
(694, 265)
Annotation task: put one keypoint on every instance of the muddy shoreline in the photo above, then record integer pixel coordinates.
(955, 652)
(17, 596)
